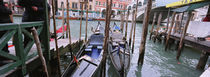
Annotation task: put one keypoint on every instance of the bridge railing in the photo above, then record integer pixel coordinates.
(15, 33)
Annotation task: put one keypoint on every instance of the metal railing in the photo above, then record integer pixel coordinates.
(15, 32)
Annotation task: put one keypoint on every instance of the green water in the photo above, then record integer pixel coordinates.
(157, 61)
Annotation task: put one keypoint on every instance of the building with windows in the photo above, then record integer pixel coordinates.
(76, 6)
(117, 7)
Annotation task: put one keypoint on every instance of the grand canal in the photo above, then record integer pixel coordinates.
(157, 61)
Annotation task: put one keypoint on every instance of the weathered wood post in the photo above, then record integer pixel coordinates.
(158, 26)
(122, 21)
(39, 49)
(63, 20)
(169, 33)
(68, 31)
(80, 30)
(176, 24)
(134, 31)
(107, 20)
(87, 7)
(68, 24)
(144, 34)
(168, 17)
(126, 25)
(56, 42)
(131, 32)
(183, 35)
(153, 23)
(203, 60)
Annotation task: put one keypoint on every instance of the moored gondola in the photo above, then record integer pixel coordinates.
(88, 60)
(119, 51)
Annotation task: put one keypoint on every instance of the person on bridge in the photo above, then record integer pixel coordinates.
(5, 13)
(34, 11)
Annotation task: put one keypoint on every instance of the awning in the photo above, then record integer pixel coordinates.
(183, 2)
(191, 7)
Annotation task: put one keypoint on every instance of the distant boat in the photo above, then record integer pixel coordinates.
(119, 52)
(89, 58)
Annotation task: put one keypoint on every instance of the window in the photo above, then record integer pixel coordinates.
(90, 7)
(74, 5)
(96, 2)
(80, 6)
(90, 0)
(114, 5)
(99, 3)
(119, 5)
(104, 4)
(85, 6)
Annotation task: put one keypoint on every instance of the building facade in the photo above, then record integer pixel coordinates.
(96, 8)
(117, 7)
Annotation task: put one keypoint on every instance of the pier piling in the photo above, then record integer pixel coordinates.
(87, 7)
(153, 23)
(56, 43)
(168, 20)
(80, 30)
(158, 26)
(144, 34)
(63, 20)
(203, 60)
(183, 35)
(170, 30)
(126, 25)
(134, 30)
(68, 31)
(107, 28)
(131, 32)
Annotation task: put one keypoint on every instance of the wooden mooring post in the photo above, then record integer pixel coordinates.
(56, 42)
(107, 28)
(204, 55)
(134, 30)
(144, 34)
(158, 26)
(126, 25)
(39, 49)
(153, 23)
(63, 20)
(183, 35)
(168, 19)
(122, 21)
(176, 24)
(170, 30)
(87, 7)
(202, 61)
(131, 32)
(80, 30)
(67, 22)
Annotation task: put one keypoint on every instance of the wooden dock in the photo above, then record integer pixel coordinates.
(201, 45)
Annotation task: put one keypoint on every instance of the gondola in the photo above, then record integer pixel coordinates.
(88, 60)
(119, 51)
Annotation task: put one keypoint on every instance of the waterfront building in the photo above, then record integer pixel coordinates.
(117, 7)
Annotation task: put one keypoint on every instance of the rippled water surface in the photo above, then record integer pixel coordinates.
(157, 61)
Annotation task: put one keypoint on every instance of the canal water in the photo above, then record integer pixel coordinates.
(157, 61)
